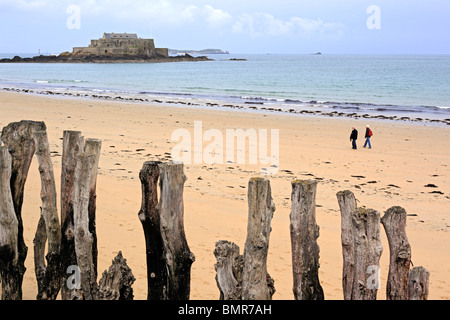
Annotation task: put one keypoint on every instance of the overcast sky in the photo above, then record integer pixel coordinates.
(239, 26)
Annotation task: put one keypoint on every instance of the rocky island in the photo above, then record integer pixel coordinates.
(112, 48)
(92, 58)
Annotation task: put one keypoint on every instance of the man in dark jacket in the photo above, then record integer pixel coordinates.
(353, 137)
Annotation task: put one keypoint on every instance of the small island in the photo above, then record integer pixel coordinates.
(203, 51)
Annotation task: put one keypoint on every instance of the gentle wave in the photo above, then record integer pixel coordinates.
(356, 106)
(60, 81)
(289, 104)
(354, 110)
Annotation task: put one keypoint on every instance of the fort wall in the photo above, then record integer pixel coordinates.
(122, 44)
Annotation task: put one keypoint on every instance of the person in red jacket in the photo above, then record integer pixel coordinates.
(367, 136)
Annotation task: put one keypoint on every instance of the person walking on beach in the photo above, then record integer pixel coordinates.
(353, 137)
(369, 134)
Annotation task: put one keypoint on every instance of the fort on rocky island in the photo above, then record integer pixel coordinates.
(122, 44)
(112, 48)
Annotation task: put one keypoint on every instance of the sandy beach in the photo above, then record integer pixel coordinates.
(404, 159)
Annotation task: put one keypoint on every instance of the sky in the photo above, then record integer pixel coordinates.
(238, 26)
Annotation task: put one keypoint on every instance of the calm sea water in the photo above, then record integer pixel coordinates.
(413, 85)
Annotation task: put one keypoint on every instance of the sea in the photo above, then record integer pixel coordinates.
(399, 86)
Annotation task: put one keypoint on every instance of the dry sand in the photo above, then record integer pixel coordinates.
(405, 157)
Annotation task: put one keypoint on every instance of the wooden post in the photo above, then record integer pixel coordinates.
(9, 275)
(304, 234)
(93, 146)
(48, 276)
(116, 283)
(394, 223)
(368, 249)
(73, 144)
(255, 280)
(177, 255)
(418, 283)
(347, 203)
(229, 269)
(83, 238)
(19, 138)
(149, 216)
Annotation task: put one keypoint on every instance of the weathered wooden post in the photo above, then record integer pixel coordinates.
(176, 250)
(229, 269)
(93, 147)
(169, 259)
(48, 276)
(368, 249)
(19, 138)
(256, 283)
(304, 234)
(78, 192)
(73, 144)
(347, 203)
(9, 273)
(149, 216)
(394, 223)
(418, 283)
(83, 237)
(116, 283)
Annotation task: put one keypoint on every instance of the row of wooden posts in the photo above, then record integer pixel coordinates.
(70, 266)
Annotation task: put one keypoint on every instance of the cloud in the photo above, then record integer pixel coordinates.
(180, 14)
(158, 12)
(216, 18)
(264, 24)
(24, 5)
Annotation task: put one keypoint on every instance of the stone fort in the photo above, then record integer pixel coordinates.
(122, 44)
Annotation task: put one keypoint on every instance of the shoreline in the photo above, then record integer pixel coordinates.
(405, 158)
(247, 106)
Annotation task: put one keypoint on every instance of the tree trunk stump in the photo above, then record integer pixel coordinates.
(48, 276)
(176, 250)
(418, 283)
(116, 283)
(83, 237)
(304, 234)
(149, 216)
(368, 249)
(169, 259)
(93, 147)
(229, 269)
(394, 223)
(9, 270)
(73, 145)
(19, 138)
(347, 203)
(256, 283)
